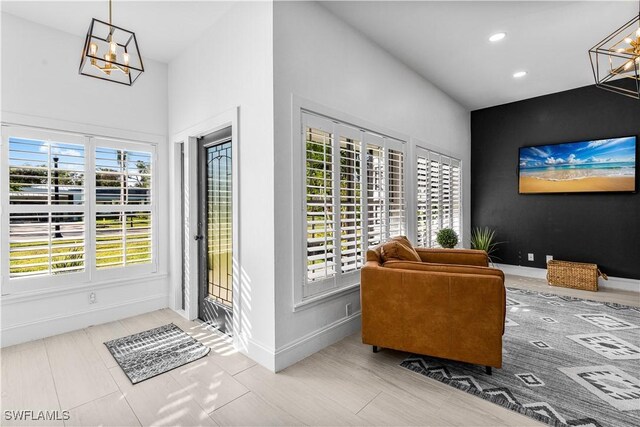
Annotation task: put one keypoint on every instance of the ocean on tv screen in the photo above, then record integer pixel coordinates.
(584, 166)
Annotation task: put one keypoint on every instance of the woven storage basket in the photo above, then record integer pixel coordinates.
(576, 275)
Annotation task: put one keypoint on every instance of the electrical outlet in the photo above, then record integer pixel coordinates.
(549, 258)
(348, 309)
(530, 257)
(92, 298)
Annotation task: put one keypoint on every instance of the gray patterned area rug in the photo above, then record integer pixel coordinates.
(150, 353)
(566, 361)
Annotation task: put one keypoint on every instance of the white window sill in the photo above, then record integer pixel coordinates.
(16, 297)
(324, 297)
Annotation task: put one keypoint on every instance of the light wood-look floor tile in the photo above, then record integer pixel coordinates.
(294, 397)
(143, 322)
(27, 384)
(322, 374)
(384, 368)
(222, 350)
(79, 373)
(102, 333)
(618, 296)
(110, 410)
(24, 346)
(210, 385)
(344, 384)
(251, 410)
(162, 401)
(388, 410)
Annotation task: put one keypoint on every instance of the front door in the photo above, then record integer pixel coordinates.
(215, 230)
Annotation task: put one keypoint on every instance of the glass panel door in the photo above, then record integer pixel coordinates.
(215, 232)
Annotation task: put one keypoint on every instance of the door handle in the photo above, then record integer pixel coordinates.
(198, 237)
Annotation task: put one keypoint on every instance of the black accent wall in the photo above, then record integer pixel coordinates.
(600, 228)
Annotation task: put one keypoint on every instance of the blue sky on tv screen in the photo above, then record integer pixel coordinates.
(601, 152)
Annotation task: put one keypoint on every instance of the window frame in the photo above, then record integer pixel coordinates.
(305, 291)
(90, 275)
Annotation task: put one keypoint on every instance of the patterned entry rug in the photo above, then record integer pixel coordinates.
(566, 361)
(150, 353)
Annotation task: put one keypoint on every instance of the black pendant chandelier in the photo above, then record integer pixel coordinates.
(616, 60)
(111, 53)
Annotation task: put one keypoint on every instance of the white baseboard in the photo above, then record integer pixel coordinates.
(258, 352)
(67, 322)
(315, 341)
(620, 283)
(518, 270)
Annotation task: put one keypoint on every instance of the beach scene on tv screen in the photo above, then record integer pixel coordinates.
(576, 167)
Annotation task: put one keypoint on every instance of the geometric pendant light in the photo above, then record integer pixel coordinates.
(616, 60)
(111, 53)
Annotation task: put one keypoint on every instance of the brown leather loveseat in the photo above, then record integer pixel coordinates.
(446, 303)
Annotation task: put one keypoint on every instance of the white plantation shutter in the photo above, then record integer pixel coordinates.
(376, 194)
(456, 197)
(46, 204)
(351, 226)
(445, 192)
(353, 198)
(320, 205)
(435, 206)
(397, 206)
(438, 196)
(123, 198)
(422, 202)
(46, 243)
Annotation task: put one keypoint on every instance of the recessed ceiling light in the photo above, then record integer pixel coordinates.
(497, 37)
(519, 74)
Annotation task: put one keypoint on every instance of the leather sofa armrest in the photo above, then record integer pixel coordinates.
(454, 256)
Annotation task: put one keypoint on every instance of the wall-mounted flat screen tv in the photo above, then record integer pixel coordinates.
(602, 165)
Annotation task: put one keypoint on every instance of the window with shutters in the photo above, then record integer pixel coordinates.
(73, 205)
(438, 196)
(353, 199)
(47, 206)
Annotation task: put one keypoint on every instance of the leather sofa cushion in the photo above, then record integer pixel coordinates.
(398, 250)
(444, 268)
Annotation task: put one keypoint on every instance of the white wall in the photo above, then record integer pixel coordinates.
(319, 58)
(255, 57)
(41, 86)
(231, 66)
(40, 78)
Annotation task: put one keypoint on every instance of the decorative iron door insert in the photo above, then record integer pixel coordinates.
(216, 231)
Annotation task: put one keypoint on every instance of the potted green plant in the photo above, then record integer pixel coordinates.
(484, 240)
(447, 238)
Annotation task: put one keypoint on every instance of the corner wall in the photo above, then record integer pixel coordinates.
(230, 66)
(41, 87)
(319, 58)
(597, 228)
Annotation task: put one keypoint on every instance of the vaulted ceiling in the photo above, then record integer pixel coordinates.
(444, 41)
(448, 43)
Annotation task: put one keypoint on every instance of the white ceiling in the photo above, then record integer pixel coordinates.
(163, 28)
(447, 42)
